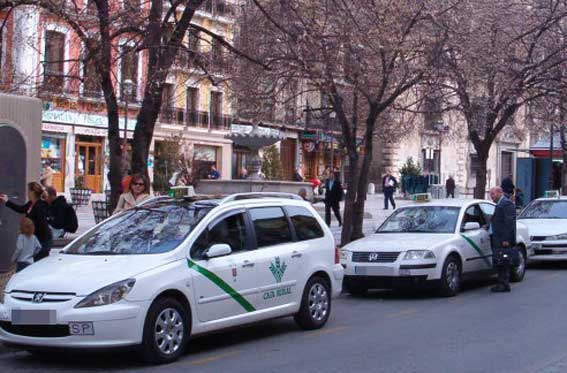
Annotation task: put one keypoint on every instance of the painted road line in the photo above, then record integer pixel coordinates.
(326, 331)
(213, 358)
(222, 285)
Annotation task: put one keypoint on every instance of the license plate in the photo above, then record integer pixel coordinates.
(81, 328)
(34, 317)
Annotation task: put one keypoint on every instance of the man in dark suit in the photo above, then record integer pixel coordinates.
(502, 235)
(333, 195)
(389, 184)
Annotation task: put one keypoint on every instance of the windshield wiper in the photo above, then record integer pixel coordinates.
(105, 252)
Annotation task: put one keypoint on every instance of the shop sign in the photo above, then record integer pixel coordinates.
(50, 127)
(242, 129)
(88, 131)
(85, 119)
(308, 136)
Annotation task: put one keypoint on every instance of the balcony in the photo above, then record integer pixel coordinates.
(218, 8)
(53, 84)
(221, 122)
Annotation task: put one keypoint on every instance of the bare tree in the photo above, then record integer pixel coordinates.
(360, 56)
(497, 59)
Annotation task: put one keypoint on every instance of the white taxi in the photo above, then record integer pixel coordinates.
(155, 275)
(546, 219)
(434, 244)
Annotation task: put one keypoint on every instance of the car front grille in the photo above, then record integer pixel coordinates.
(375, 257)
(42, 331)
(28, 296)
(537, 238)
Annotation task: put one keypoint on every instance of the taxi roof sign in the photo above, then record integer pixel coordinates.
(421, 197)
(551, 194)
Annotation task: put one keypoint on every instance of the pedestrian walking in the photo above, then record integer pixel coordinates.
(388, 188)
(137, 193)
(62, 217)
(46, 178)
(27, 245)
(333, 196)
(37, 211)
(508, 186)
(502, 231)
(450, 187)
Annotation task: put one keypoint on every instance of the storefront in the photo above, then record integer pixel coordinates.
(206, 157)
(53, 153)
(89, 162)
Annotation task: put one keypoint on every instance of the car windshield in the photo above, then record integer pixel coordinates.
(545, 209)
(144, 230)
(422, 219)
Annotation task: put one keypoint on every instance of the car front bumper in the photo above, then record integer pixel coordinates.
(548, 251)
(115, 325)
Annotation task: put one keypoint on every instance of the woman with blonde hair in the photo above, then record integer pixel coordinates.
(27, 245)
(138, 192)
(37, 210)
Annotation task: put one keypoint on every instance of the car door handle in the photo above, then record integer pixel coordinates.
(296, 254)
(247, 264)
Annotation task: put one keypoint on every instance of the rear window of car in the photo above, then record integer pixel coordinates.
(305, 224)
(271, 226)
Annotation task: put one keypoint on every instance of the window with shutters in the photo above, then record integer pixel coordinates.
(167, 103)
(129, 71)
(54, 61)
(91, 80)
(192, 106)
(216, 109)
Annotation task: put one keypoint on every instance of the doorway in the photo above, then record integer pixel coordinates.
(88, 165)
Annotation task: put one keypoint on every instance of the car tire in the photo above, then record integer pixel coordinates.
(315, 304)
(355, 289)
(517, 273)
(450, 277)
(166, 331)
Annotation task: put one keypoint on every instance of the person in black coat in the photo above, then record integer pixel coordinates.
(508, 186)
(450, 187)
(38, 211)
(389, 184)
(57, 207)
(502, 234)
(333, 195)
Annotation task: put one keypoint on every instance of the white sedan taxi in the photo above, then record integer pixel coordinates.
(432, 244)
(546, 219)
(160, 273)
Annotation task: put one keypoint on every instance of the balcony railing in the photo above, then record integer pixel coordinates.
(53, 84)
(221, 122)
(218, 8)
(196, 119)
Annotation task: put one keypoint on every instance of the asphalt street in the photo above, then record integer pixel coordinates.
(477, 331)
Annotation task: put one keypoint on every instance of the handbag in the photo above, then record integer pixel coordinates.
(506, 257)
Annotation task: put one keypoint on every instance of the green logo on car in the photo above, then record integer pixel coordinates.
(277, 267)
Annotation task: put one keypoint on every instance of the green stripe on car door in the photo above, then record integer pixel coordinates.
(221, 284)
(477, 249)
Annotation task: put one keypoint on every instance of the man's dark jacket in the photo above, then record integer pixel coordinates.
(450, 185)
(503, 224)
(335, 195)
(57, 213)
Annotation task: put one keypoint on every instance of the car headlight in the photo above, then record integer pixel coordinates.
(558, 237)
(108, 294)
(419, 254)
(344, 254)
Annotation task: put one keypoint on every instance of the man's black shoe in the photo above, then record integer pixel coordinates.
(501, 289)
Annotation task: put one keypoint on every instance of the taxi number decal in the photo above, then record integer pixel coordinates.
(221, 284)
(277, 293)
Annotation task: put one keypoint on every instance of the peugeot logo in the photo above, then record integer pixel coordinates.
(38, 297)
(372, 257)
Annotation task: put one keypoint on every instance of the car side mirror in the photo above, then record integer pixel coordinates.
(217, 250)
(471, 226)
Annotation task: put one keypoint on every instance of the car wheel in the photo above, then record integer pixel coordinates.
(315, 304)
(517, 274)
(451, 277)
(166, 331)
(355, 289)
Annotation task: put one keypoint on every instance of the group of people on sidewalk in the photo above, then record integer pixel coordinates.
(45, 216)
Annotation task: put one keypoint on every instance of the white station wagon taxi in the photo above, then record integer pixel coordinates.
(546, 219)
(435, 244)
(155, 275)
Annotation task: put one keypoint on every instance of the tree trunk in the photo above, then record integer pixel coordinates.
(352, 184)
(144, 131)
(480, 187)
(362, 189)
(564, 166)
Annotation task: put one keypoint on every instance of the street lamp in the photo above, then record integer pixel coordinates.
(127, 91)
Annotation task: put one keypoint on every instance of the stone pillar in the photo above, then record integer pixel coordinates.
(24, 53)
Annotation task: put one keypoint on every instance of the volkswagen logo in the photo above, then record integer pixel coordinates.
(372, 257)
(38, 297)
